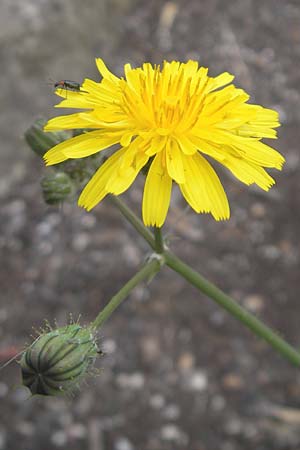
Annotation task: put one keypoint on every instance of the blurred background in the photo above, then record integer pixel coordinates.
(179, 373)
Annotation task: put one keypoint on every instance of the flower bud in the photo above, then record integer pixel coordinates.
(57, 361)
(40, 141)
(57, 187)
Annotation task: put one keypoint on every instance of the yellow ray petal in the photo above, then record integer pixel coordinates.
(221, 80)
(104, 92)
(81, 146)
(156, 145)
(191, 68)
(54, 156)
(157, 193)
(95, 190)
(203, 189)
(71, 122)
(121, 179)
(257, 131)
(259, 153)
(249, 148)
(210, 148)
(74, 99)
(248, 172)
(174, 161)
(127, 138)
(264, 116)
(134, 152)
(104, 71)
(186, 145)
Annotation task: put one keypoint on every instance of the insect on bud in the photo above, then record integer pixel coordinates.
(57, 187)
(40, 141)
(57, 361)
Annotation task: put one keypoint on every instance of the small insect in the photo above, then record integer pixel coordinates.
(68, 85)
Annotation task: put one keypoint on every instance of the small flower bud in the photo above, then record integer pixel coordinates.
(40, 141)
(57, 361)
(57, 187)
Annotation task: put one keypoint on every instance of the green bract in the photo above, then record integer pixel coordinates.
(56, 362)
(40, 141)
(57, 187)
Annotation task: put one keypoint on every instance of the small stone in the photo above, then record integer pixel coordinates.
(43, 229)
(233, 381)
(59, 438)
(195, 381)
(218, 403)
(286, 246)
(250, 430)
(254, 302)
(20, 395)
(131, 254)
(233, 427)
(157, 401)
(171, 412)
(88, 221)
(77, 431)
(134, 381)
(258, 210)
(171, 432)
(186, 361)
(150, 349)
(139, 294)
(109, 346)
(123, 444)
(80, 241)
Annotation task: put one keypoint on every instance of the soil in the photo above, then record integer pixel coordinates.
(179, 373)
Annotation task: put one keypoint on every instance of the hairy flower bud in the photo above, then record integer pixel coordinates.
(57, 361)
(57, 187)
(40, 141)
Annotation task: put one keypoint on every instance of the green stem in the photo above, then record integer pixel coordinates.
(159, 241)
(212, 291)
(147, 271)
(224, 300)
(134, 220)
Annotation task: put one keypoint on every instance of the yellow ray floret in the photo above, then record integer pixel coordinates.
(168, 117)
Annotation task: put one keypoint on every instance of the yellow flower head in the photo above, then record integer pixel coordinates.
(171, 116)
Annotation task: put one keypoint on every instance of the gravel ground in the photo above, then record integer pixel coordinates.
(179, 373)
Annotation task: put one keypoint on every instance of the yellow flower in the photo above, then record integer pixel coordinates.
(169, 116)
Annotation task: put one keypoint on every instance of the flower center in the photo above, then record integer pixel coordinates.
(162, 101)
